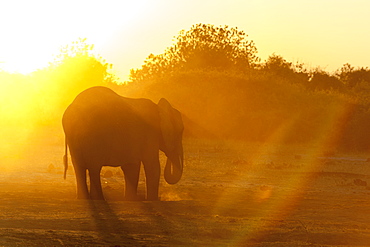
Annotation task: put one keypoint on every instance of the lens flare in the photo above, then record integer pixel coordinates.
(276, 202)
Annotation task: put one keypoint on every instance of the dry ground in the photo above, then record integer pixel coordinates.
(231, 194)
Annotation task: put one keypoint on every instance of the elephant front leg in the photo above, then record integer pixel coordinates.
(131, 172)
(82, 192)
(96, 192)
(152, 174)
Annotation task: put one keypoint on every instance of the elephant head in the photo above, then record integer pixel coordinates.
(172, 128)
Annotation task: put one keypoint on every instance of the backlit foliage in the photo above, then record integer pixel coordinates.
(202, 47)
(43, 95)
(214, 76)
(77, 68)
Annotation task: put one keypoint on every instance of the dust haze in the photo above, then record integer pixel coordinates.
(275, 154)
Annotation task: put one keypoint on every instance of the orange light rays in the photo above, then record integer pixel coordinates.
(278, 202)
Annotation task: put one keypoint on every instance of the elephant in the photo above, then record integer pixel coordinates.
(103, 128)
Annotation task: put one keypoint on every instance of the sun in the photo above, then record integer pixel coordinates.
(16, 56)
(26, 44)
(23, 64)
(33, 33)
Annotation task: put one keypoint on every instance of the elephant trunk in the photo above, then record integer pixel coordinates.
(173, 169)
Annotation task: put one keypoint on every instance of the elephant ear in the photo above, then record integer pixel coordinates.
(168, 127)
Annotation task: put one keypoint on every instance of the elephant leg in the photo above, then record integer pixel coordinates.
(82, 192)
(96, 192)
(132, 173)
(152, 173)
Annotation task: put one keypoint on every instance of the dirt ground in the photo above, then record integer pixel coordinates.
(231, 194)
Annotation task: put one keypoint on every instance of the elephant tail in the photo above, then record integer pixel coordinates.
(65, 159)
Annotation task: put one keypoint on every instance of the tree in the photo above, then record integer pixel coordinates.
(202, 47)
(353, 77)
(77, 68)
(81, 65)
(323, 81)
(73, 70)
(277, 66)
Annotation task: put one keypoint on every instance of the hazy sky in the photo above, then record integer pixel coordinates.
(325, 33)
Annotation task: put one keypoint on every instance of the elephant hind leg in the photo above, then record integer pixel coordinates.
(82, 192)
(96, 192)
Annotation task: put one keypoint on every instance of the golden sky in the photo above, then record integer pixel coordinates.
(325, 33)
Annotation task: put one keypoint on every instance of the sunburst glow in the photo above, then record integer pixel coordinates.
(278, 202)
(261, 130)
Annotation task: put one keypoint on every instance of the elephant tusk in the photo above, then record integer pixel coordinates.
(170, 166)
(173, 171)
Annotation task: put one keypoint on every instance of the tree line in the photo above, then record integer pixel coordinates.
(215, 77)
(207, 47)
(226, 91)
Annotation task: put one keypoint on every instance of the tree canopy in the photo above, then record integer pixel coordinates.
(213, 75)
(202, 47)
(225, 90)
(48, 91)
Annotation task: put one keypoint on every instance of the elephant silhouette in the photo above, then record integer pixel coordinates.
(103, 128)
